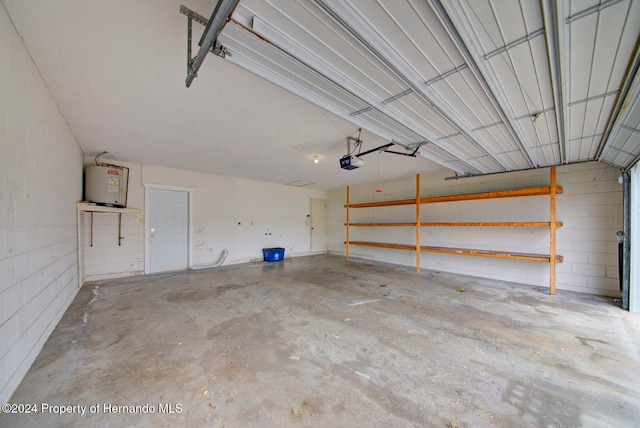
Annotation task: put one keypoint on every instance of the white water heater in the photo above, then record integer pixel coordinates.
(106, 185)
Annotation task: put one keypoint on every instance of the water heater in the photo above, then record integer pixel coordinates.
(106, 185)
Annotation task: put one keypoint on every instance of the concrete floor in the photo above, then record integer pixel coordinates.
(314, 341)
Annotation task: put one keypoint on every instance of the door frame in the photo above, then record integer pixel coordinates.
(326, 231)
(190, 191)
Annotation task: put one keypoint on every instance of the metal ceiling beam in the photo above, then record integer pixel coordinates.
(513, 44)
(415, 89)
(629, 128)
(555, 55)
(446, 21)
(362, 110)
(593, 97)
(590, 10)
(219, 17)
(395, 97)
(446, 74)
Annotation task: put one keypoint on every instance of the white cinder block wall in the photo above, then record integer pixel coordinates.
(41, 181)
(219, 204)
(634, 216)
(590, 207)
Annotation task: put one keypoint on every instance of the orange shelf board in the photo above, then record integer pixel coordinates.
(462, 251)
(513, 193)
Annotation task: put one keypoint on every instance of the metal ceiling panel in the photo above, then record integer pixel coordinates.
(608, 71)
(456, 93)
(524, 71)
(366, 86)
(477, 79)
(405, 32)
(332, 51)
(385, 31)
(500, 143)
(460, 146)
(627, 150)
(582, 36)
(388, 128)
(432, 151)
(501, 147)
(488, 41)
(601, 37)
(597, 115)
(508, 17)
(399, 26)
(393, 130)
(249, 52)
(461, 93)
(547, 149)
(426, 121)
(381, 86)
(624, 140)
(512, 47)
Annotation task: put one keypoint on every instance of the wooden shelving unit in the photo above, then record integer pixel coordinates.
(552, 258)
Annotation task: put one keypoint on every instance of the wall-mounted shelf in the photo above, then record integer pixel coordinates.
(90, 207)
(493, 223)
(381, 224)
(552, 258)
(462, 224)
(462, 251)
(93, 208)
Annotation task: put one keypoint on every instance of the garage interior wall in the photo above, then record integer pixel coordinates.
(634, 217)
(590, 208)
(269, 215)
(41, 180)
(41, 169)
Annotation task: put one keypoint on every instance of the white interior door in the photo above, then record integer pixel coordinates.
(318, 226)
(168, 230)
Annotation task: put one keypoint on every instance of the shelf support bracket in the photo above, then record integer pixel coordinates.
(418, 223)
(346, 248)
(91, 233)
(553, 190)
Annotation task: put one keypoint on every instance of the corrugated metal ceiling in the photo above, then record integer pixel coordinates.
(480, 86)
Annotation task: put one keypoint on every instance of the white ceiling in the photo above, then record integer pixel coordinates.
(481, 86)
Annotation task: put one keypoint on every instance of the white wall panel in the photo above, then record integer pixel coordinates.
(634, 217)
(40, 183)
(219, 204)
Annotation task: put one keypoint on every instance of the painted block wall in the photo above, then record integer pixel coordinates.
(219, 204)
(106, 259)
(40, 183)
(590, 207)
(634, 218)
